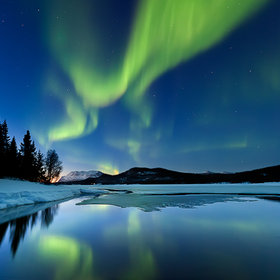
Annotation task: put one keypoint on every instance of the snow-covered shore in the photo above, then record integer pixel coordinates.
(16, 193)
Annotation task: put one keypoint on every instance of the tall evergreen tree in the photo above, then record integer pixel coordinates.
(28, 158)
(4, 148)
(40, 167)
(53, 165)
(2, 152)
(13, 159)
(5, 136)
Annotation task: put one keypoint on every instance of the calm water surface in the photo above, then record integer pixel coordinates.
(222, 240)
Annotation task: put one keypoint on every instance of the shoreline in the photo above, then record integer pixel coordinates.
(15, 193)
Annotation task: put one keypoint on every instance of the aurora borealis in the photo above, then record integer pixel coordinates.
(191, 85)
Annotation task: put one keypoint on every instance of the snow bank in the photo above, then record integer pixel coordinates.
(15, 193)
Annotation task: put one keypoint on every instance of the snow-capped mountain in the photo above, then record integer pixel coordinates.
(80, 175)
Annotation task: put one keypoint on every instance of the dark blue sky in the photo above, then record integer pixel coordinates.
(104, 84)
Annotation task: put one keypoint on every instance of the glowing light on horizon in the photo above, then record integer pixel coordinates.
(108, 168)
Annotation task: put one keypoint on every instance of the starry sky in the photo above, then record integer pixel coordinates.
(189, 85)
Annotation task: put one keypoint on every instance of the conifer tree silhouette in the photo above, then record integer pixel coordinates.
(13, 159)
(4, 148)
(28, 158)
(40, 167)
(26, 163)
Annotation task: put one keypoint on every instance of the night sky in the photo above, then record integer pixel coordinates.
(189, 85)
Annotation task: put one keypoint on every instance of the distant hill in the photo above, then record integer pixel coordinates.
(141, 175)
(80, 175)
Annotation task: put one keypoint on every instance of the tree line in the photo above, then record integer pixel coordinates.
(27, 162)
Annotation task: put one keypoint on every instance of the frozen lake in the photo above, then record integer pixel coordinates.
(185, 237)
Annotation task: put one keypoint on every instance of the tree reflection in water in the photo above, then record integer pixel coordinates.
(18, 227)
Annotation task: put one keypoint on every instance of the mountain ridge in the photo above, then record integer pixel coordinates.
(144, 175)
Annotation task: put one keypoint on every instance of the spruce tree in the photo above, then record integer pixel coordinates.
(40, 167)
(28, 158)
(13, 159)
(4, 148)
(6, 137)
(2, 152)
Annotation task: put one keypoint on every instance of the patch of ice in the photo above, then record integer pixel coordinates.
(150, 203)
(155, 197)
(225, 188)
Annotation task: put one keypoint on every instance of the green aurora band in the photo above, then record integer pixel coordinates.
(164, 34)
